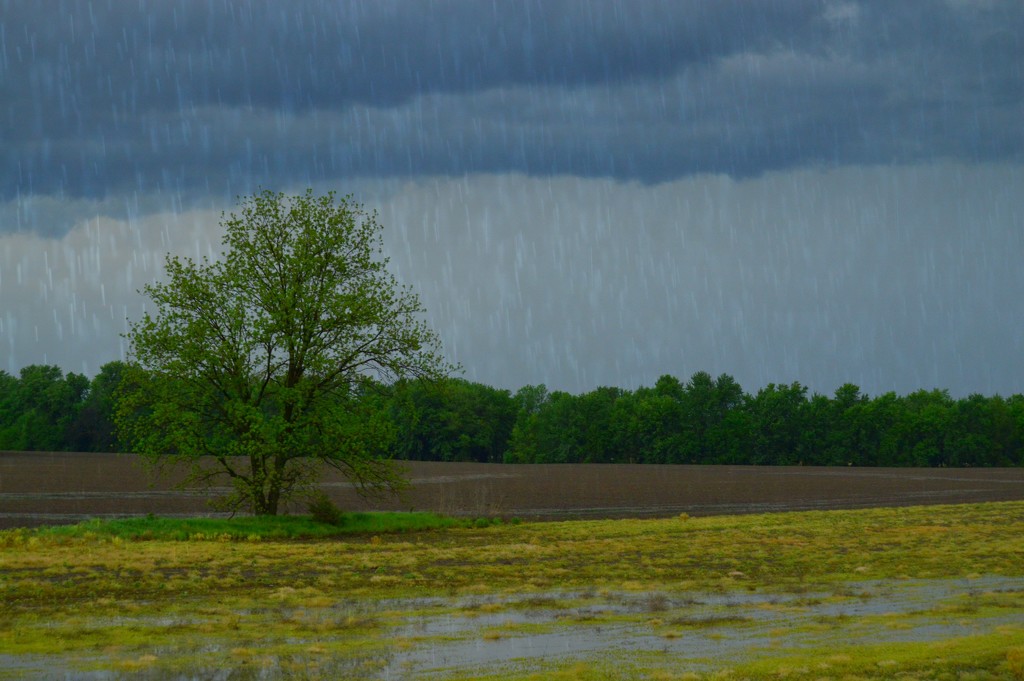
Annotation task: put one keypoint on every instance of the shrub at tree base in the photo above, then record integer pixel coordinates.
(323, 510)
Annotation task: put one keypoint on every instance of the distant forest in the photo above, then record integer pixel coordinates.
(702, 421)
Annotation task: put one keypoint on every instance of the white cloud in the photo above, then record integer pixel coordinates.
(65, 301)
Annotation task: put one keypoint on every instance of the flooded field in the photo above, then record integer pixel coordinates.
(924, 592)
(688, 632)
(43, 488)
(694, 631)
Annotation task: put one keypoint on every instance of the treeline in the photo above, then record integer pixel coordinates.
(703, 421)
(46, 410)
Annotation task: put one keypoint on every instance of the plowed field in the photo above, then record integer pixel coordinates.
(43, 488)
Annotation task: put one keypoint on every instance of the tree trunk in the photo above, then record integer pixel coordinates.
(264, 494)
(274, 485)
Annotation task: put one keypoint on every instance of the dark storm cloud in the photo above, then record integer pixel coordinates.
(219, 97)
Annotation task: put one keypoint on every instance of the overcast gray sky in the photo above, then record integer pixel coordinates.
(584, 193)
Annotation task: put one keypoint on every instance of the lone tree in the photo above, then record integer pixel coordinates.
(255, 366)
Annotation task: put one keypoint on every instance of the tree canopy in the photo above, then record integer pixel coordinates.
(255, 366)
(701, 421)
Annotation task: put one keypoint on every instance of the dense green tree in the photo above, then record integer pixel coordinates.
(731, 425)
(778, 414)
(921, 429)
(549, 434)
(593, 425)
(647, 425)
(451, 420)
(253, 366)
(670, 387)
(37, 409)
(1014, 435)
(530, 401)
(706, 404)
(882, 441)
(93, 428)
(10, 409)
(835, 429)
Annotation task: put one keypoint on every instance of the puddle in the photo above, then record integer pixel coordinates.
(694, 627)
(436, 637)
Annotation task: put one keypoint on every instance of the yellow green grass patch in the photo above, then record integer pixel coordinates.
(758, 596)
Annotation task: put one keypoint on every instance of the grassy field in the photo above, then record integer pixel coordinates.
(931, 592)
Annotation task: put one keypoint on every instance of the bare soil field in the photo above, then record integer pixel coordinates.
(60, 487)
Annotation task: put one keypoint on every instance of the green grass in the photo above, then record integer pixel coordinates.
(995, 656)
(182, 597)
(251, 528)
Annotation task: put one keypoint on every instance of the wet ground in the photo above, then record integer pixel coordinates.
(497, 633)
(437, 638)
(696, 630)
(41, 488)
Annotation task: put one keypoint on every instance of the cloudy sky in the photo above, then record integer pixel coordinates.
(583, 193)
